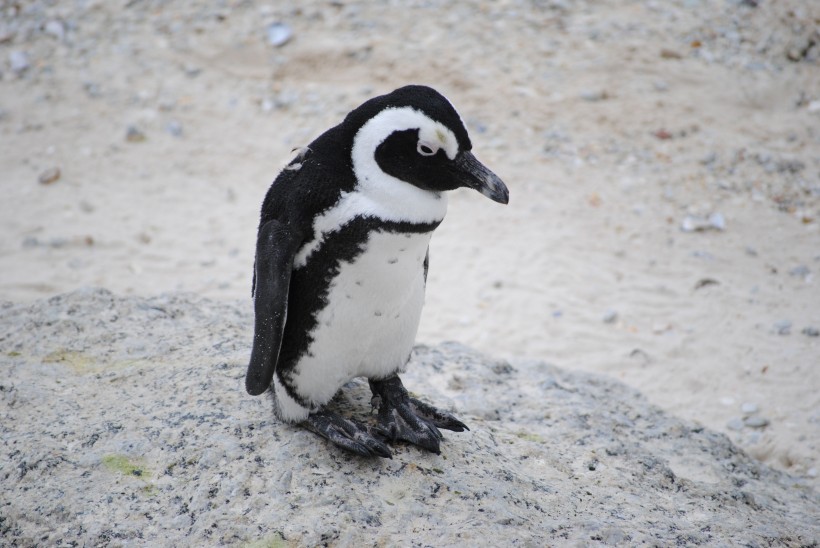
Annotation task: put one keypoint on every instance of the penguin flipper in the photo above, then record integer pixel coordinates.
(276, 246)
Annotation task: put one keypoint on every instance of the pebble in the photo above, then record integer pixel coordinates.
(134, 135)
(735, 424)
(695, 223)
(593, 95)
(783, 327)
(749, 408)
(174, 128)
(670, 54)
(811, 331)
(49, 176)
(55, 28)
(18, 61)
(610, 316)
(756, 421)
(801, 271)
(279, 34)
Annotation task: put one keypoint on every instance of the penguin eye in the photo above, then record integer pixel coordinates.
(426, 149)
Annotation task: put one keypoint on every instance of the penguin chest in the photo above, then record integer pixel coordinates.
(369, 323)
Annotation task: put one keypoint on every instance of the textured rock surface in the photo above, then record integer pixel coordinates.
(124, 421)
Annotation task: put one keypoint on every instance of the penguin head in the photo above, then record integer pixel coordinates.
(416, 136)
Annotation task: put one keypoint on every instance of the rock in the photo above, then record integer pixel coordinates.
(49, 176)
(610, 316)
(174, 127)
(279, 34)
(783, 327)
(811, 331)
(735, 423)
(125, 421)
(670, 54)
(134, 135)
(749, 408)
(756, 421)
(695, 223)
(55, 28)
(18, 62)
(801, 271)
(593, 95)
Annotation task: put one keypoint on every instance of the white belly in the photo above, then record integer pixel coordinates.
(369, 326)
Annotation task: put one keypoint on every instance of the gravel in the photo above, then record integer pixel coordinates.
(124, 422)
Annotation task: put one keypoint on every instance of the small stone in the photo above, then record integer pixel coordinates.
(670, 54)
(49, 176)
(735, 424)
(6, 35)
(55, 28)
(92, 89)
(174, 128)
(783, 327)
(694, 223)
(18, 61)
(801, 271)
(660, 85)
(811, 331)
(593, 95)
(134, 135)
(279, 34)
(610, 316)
(717, 221)
(749, 408)
(756, 421)
(704, 282)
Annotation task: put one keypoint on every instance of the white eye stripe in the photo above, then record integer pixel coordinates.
(426, 149)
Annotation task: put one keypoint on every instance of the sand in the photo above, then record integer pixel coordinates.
(663, 160)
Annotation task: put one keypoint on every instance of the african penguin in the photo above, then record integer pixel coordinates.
(341, 265)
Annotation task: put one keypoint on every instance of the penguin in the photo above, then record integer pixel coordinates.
(341, 266)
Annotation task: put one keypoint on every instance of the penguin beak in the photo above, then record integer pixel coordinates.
(473, 174)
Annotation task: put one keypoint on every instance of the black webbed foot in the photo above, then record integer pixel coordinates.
(404, 418)
(347, 434)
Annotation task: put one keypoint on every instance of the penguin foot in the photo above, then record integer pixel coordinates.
(404, 418)
(347, 434)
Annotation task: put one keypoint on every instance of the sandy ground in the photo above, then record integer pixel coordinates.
(663, 160)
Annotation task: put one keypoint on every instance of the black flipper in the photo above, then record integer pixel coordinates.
(404, 418)
(276, 246)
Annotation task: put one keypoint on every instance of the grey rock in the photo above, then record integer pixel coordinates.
(756, 421)
(610, 316)
(279, 34)
(801, 271)
(55, 28)
(735, 424)
(811, 331)
(695, 223)
(134, 134)
(174, 127)
(124, 421)
(783, 327)
(49, 176)
(749, 408)
(593, 96)
(18, 61)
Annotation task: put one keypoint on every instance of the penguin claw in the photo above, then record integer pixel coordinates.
(347, 434)
(404, 418)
